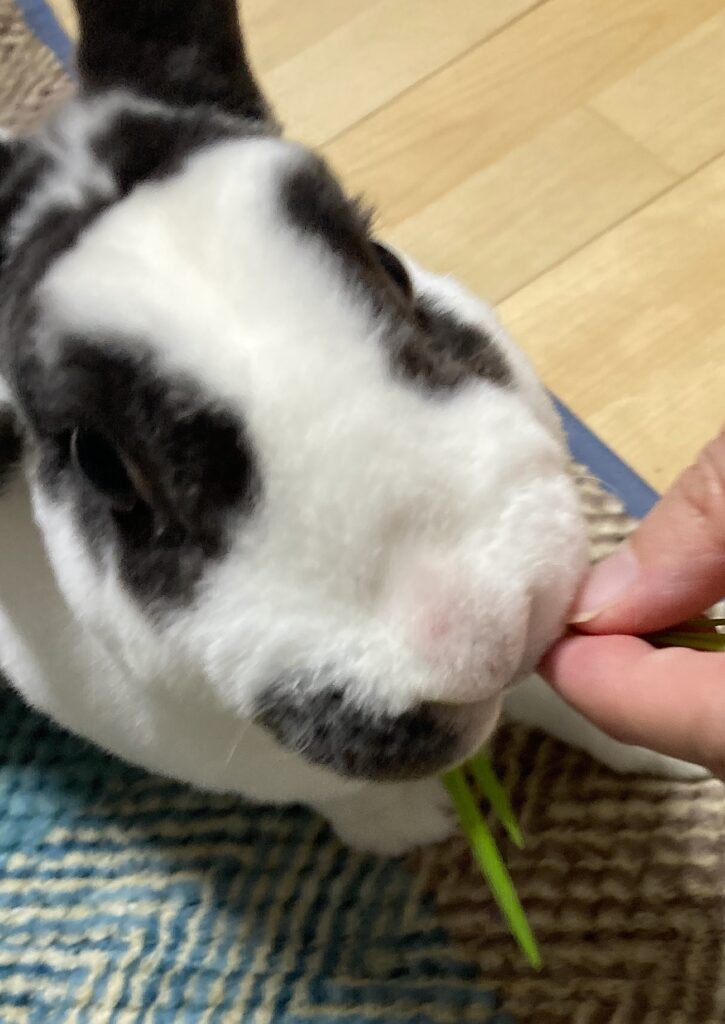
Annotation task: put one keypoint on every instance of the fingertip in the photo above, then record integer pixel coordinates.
(594, 675)
(578, 657)
(670, 700)
(555, 665)
(606, 586)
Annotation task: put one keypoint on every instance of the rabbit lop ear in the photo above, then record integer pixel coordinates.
(184, 52)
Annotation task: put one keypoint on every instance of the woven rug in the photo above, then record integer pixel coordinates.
(126, 898)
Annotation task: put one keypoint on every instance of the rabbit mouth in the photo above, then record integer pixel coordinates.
(325, 728)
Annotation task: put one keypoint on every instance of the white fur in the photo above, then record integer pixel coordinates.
(390, 820)
(427, 548)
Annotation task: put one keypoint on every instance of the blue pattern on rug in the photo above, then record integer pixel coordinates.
(125, 897)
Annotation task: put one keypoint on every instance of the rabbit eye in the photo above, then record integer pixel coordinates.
(103, 468)
(394, 269)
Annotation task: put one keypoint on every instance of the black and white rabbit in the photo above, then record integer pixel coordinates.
(282, 513)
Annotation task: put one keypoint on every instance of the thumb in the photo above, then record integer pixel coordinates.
(673, 566)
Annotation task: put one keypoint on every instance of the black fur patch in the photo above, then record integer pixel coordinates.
(428, 345)
(138, 145)
(184, 52)
(21, 166)
(447, 352)
(11, 445)
(6, 148)
(192, 457)
(324, 728)
(316, 205)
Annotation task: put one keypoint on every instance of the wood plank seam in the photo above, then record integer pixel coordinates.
(634, 212)
(595, 112)
(445, 66)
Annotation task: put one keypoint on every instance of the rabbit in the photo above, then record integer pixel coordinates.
(283, 514)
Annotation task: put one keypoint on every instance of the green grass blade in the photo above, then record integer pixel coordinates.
(482, 771)
(704, 622)
(694, 641)
(699, 634)
(489, 860)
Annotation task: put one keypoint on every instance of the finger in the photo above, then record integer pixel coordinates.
(669, 700)
(673, 566)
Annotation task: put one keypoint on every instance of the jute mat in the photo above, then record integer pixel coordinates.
(32, 81)
(128, 898)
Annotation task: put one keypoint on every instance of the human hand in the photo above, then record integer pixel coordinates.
(671, 569)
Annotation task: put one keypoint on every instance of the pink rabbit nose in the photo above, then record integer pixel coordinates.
(470, 655)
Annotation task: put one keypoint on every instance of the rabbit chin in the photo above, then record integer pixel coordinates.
(476, 723)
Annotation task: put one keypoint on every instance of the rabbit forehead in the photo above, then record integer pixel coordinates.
(252, 273)
(208, 269)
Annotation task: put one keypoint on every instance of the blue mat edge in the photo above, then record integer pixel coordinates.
(43, 23)
(619, 478)
(637, 496)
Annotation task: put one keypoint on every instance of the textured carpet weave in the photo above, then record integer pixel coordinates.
(125, 898)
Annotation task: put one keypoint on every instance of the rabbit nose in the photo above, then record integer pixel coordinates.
(469, 663)
(471, 654)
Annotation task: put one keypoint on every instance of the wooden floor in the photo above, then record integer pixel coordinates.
(566, 158)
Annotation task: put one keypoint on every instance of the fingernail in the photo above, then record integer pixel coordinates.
(605, 586)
